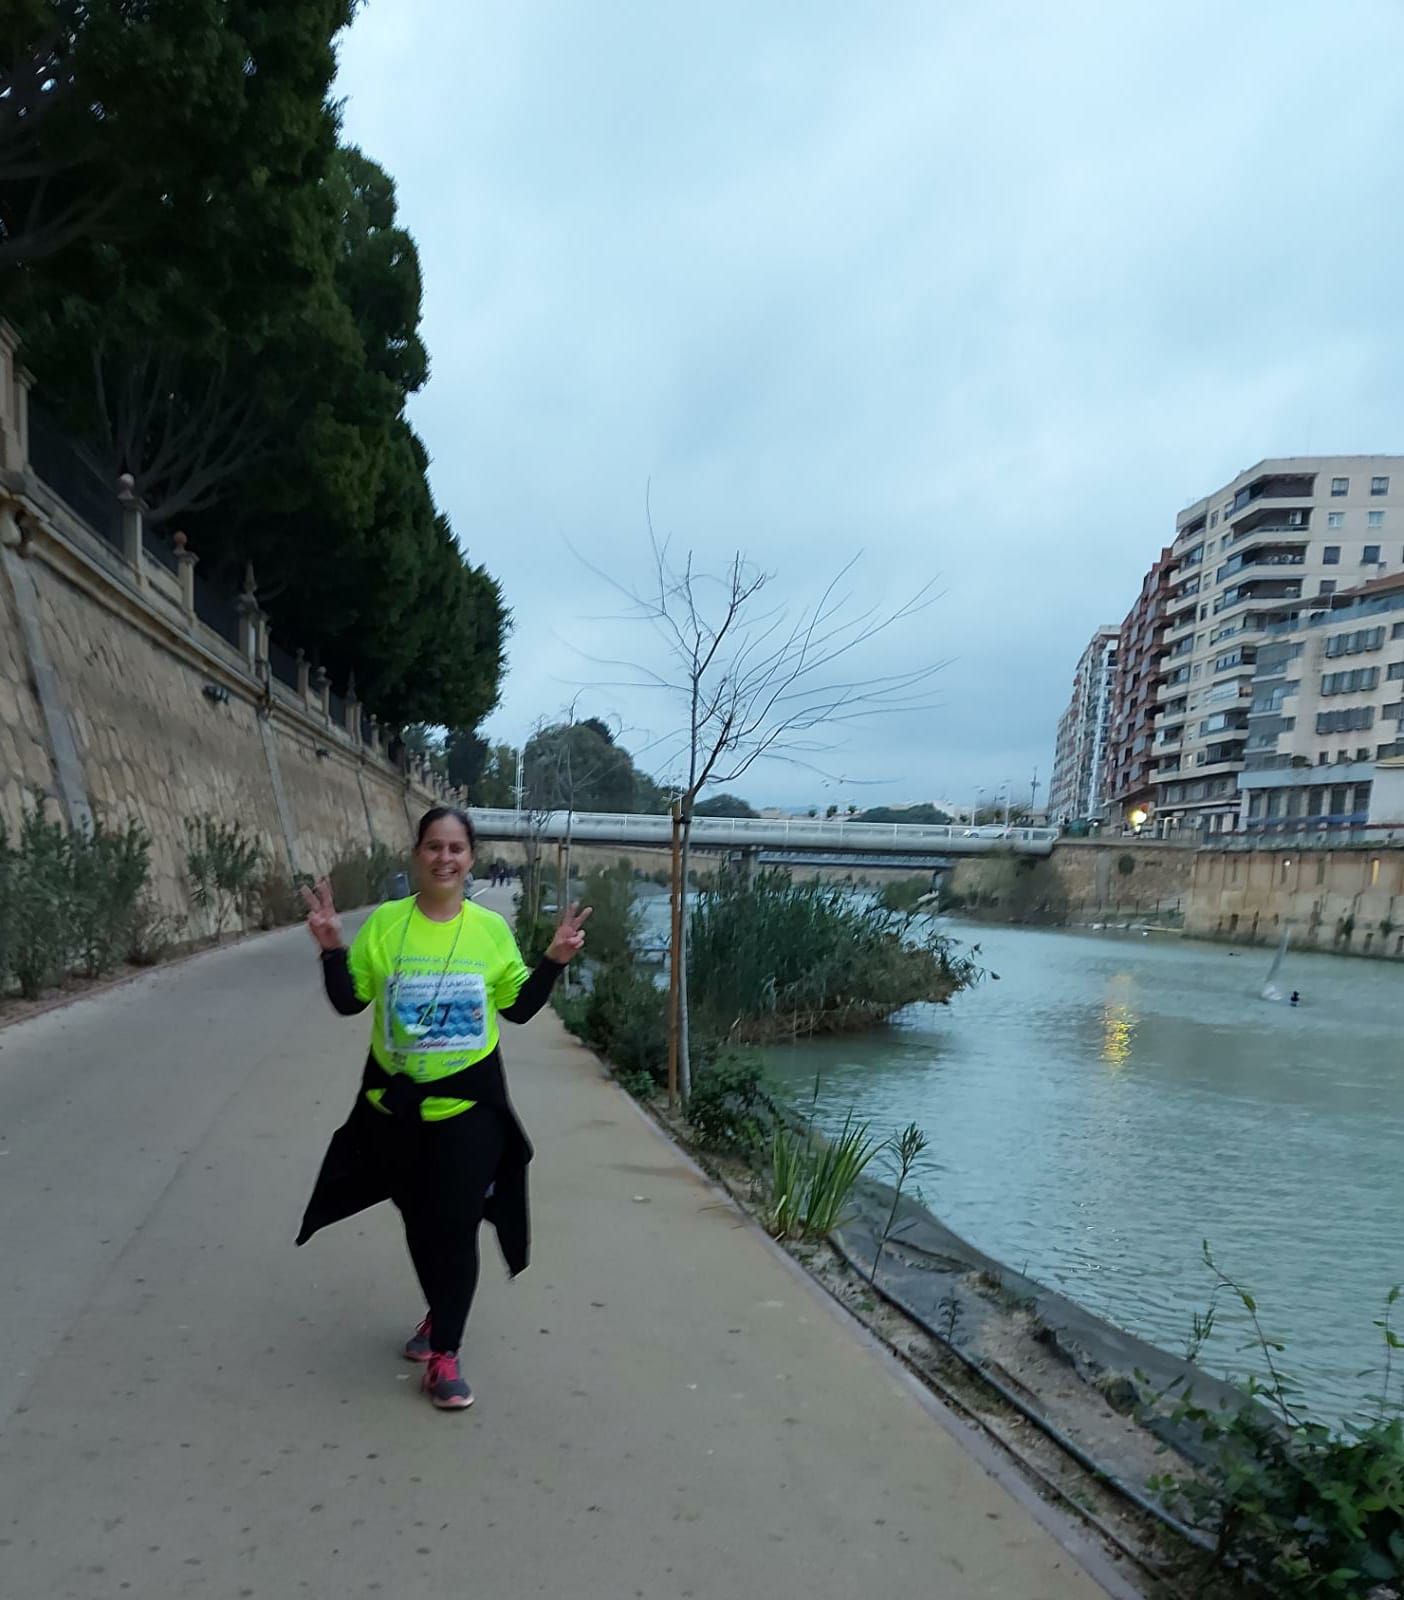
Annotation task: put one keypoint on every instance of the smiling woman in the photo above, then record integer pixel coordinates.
(433, 1129)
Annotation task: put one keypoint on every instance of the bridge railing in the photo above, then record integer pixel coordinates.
(757, 832)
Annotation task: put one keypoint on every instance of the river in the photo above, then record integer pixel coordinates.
(1110, 1101)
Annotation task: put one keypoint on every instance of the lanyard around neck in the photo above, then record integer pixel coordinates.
(397, 972)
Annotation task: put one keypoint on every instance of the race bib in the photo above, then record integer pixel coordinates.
(430, 1014)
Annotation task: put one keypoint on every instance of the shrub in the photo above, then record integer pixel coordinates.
(779, 958)
(732, 1108)
(67, 898)
(8, 921)
(44, 913)
(109, 873)
(223, 863)
(1293, 1507)
(626, 1019)
(641, 1085)
(361, 877)
(570, 1006)
(278, 901)
(150, 933)
(614, 920)
(812, 1179)
(903, 897)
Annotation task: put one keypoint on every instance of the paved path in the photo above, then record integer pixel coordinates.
(191, 1407)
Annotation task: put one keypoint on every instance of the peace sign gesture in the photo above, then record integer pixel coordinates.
(570, 935)
(322, 921)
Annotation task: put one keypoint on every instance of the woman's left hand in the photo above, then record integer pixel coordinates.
(570, 936)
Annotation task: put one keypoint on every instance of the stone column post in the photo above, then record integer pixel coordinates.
(186, 562)
(131, 527)
(353, 709)
(321, 689)
(14, 403)
(304, 675)
(375, 736)
(250, 619)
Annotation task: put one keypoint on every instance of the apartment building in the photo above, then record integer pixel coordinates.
(1078, 786)
(1325, 742)
(1250, 562)
(1130, 786)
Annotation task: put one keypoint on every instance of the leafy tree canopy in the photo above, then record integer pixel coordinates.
(924, 813)
(723, 805)
(217, 297)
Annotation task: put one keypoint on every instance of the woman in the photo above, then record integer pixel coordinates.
(432, 1128)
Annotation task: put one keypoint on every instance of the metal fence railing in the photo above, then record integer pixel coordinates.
(56, 460)
(284, 664)
(159, 548)
(216, 609)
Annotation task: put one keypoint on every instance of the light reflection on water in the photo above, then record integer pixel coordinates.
(1112, 1101)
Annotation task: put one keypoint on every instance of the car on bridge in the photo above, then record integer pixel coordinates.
(989, 830)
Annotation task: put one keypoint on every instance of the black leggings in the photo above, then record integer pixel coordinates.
(443, 1172)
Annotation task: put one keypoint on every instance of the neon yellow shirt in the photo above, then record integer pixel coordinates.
(437, 988)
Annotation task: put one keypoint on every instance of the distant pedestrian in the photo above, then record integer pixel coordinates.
(432, 1128)
(1295, 997)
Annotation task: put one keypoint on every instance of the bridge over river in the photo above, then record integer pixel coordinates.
(839, 839)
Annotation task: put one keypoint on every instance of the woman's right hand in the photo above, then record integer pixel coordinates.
(322, 921)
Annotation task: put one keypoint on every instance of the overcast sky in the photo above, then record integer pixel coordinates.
(985, 291)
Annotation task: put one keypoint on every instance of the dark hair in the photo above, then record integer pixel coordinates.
(437, 814)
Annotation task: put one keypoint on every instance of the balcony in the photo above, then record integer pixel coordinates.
(1277, 532)
(1225, 753)
(1257, 589)
(1268, 556)
(1274, 492)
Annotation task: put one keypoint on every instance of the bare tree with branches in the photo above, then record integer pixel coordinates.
(755, 681)
(179, 435)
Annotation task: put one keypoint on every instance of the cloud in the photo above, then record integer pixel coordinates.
(985, 291)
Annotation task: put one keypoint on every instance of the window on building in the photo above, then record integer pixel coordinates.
(1348, 720)
(1340, 486)
(1331, 555)
(1397, 631)
(1379, 485)
(1376, 519)
(1335, 519)
(1354, 644)
(1396, 670)
(1352, 682)
(1326, 586)
(1370, 556)
(1213, 519)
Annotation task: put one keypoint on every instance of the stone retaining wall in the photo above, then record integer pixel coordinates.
(1349, 901)
(118, 702)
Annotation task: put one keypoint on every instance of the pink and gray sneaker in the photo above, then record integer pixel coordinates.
(446, 1387)
(417, 1346)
